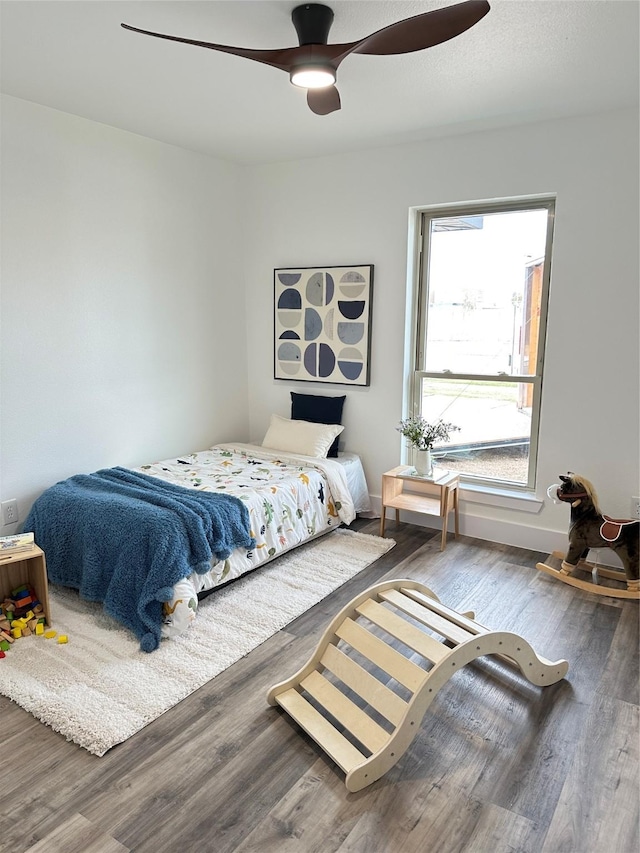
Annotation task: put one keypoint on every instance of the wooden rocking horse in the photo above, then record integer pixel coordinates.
(590, 529)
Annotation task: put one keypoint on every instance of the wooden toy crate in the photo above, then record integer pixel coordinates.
(26, 567)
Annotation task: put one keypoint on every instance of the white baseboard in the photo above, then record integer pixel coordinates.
(498, 530)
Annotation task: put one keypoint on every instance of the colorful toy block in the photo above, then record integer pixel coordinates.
(22, 615)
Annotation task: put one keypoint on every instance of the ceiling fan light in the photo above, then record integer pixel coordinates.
(313, 76)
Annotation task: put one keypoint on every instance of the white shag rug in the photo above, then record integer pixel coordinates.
(99, 689)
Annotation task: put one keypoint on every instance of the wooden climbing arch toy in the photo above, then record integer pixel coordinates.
(366, 724)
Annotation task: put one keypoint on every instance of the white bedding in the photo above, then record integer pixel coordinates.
(290, 498)
(356, 481)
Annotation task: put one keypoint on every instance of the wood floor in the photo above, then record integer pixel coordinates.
(498, 765)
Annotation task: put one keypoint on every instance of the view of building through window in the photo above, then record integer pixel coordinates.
(481, 335)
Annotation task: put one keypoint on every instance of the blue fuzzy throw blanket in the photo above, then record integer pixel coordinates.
(125, 539)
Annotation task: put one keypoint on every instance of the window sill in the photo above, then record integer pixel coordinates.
(505, 498)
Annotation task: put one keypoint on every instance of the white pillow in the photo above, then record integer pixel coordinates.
(302, 437)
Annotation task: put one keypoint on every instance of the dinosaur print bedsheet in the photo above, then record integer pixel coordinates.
(290, 499)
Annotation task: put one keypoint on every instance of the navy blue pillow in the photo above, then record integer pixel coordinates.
(318, 410)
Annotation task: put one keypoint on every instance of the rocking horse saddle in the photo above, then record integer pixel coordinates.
(611, 528)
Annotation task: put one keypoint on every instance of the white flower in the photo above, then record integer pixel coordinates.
(423, 435)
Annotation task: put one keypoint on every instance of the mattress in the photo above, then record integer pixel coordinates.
(291, 499)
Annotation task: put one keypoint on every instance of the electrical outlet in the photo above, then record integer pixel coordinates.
(635, 507)
(9, 512)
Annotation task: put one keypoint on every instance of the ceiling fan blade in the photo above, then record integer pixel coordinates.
(279, 58)
(312, 23)
(424, 30)
(323, 101)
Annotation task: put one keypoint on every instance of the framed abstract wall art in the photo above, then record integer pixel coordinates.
(322, 324)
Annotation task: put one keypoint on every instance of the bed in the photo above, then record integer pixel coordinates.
(291, 498)
(286, 497)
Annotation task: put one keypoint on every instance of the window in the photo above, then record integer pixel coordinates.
(480, 332)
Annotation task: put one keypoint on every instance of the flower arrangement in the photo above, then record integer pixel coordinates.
(422, 435)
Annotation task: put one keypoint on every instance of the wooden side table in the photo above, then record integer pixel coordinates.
(26, 567)
(437, 496)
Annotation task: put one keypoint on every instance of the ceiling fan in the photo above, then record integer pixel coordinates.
(314, 63)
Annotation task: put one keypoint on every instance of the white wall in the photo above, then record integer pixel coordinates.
(123, 335)
(123, 298)
(354, 209)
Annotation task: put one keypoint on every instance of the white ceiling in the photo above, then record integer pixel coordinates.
(527, 60)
